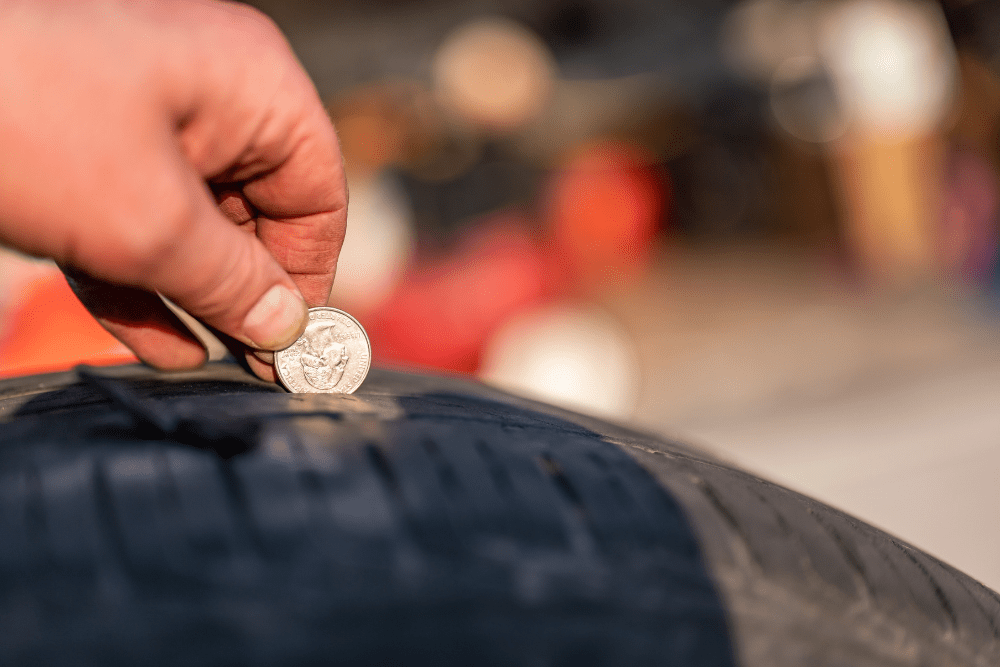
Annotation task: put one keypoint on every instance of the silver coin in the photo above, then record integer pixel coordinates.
(331, 356)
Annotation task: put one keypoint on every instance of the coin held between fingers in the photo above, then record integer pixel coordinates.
(333, 355)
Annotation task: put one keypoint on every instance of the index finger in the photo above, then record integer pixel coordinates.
(302, 205)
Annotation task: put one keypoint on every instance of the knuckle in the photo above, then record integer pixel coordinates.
(261, 25)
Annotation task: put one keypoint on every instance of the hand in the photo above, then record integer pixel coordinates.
(171, 146)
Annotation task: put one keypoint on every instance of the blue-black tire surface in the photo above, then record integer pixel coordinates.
(429, 521)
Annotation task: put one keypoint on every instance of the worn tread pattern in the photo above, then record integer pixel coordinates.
(430, 520)
(397, 526)
(806, 584)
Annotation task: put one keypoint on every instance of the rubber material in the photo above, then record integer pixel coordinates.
(412, 523)
(427, 521)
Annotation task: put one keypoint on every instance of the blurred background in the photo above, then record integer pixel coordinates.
(768, 227)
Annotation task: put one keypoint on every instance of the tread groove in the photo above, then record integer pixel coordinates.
(579, 527)
(311, 482)
(35, 519)
(727, 515)
(993, 594)
(499, 474)
(938, 591)
(383, 469)
(107, 516)
(979, 606)
(892, 566)
(850, 557)
(562, 483)
(778, 516)
(446, 474)
(168, 488)
(239, 508)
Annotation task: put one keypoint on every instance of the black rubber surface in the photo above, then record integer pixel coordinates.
(413, 523)
(210, 519)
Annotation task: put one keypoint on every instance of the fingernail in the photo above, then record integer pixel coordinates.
(263, 355)
(276, 320)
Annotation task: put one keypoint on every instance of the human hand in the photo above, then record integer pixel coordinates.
(171, 146)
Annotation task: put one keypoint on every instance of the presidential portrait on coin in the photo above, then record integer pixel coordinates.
(324, 358)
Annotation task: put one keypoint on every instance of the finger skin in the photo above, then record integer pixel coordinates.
(121, 116)
(261, 369)
(264, 370)
(140, 320)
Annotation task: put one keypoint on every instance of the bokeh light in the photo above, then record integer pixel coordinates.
(571, 356)
(493, 72)
(379, 243)
(603, 209)
(893, 63)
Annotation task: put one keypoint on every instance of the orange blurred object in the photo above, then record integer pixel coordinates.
(603, 208)
(47, 329)
(390, 122)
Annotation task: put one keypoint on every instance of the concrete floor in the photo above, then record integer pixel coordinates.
(885, 407)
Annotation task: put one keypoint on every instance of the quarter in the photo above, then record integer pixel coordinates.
(332, 355)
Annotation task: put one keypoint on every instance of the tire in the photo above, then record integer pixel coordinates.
(207, 518)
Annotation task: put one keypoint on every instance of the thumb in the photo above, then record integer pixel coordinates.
(223, 276)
